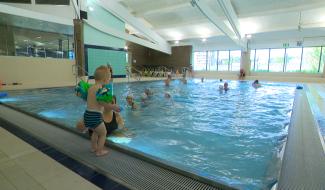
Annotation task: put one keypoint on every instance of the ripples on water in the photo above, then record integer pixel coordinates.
(231, 137)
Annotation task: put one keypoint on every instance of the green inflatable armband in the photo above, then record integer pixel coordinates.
(105, 94)
(82, 89)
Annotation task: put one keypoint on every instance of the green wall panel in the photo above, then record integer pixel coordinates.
(97, 57)
(93, 36)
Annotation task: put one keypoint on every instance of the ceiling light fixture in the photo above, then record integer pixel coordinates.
(176, 35)
(203, 31)
(90, 8)
(176, 42)
(248, 36)
(204, 39)
(248, 27)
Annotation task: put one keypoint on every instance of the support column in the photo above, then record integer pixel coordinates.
(79, 46)
(245, 62)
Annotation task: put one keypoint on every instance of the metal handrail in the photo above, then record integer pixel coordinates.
(164, 68)
(129, 72)
(139, 72)
(75, 68)
(185, 68)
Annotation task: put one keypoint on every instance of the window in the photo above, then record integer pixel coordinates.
(252, 60)
(322, 61)
(16, 1)
(33, 43)
(213, 61)
(310, 59)
(262, 60)
(223, 61)
(200, 61)
(53, 2)
(276, 60)
(235, 60)
(293, 59)
(36, 42)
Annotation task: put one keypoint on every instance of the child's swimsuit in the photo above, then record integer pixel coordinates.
(92, 119)
(110, 126)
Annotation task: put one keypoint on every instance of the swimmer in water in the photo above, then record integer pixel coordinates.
(130, 102)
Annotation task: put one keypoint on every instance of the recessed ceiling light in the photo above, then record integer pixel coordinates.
(176, 35)
(204, 39)
(176, 42)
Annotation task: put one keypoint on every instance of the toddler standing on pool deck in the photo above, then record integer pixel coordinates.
(93, 115)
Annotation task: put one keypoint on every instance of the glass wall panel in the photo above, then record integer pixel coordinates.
(310, 59)
(223, 61)
(200, 61)
(252, 58)
(34, 43)
(235, 60)
(34, 38)
(261, 60)
(213, 61)
(276, 60)
(293, 59)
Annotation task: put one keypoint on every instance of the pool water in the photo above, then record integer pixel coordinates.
(231, 137)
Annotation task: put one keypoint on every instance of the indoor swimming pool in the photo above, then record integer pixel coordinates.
(231, 137)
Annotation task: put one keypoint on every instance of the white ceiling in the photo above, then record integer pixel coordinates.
(179, 20)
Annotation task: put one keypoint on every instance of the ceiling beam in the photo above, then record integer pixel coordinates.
(298, 8)
(122, 35)
(231, 15)
(119, 11)
(208, 12)
(76, 8)
(164, 9)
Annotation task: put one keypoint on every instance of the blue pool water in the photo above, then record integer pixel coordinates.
(231, 137)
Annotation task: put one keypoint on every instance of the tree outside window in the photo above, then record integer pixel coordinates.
(252, 60)
(310, 59)
(262, 60)
(213, 60)
(200, 61)
(223, 60)
(235, 60)
(293, 59)
(322, 61)
(276, 60)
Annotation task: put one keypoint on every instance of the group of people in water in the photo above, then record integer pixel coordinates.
(224, 86)
(102, 115)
